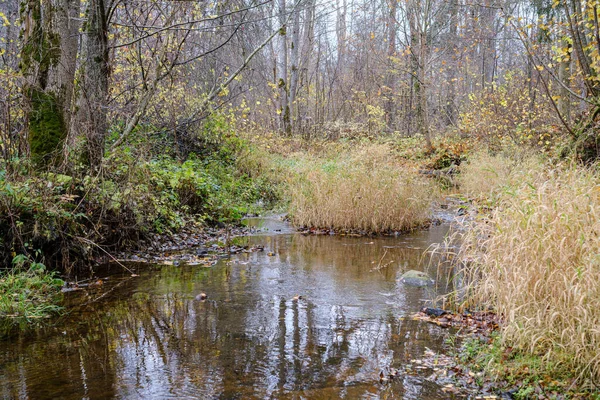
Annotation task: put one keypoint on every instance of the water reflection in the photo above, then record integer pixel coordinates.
(148, 337)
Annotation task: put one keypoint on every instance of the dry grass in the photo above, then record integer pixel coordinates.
(536, 261)
(364, 189)
(485, 177)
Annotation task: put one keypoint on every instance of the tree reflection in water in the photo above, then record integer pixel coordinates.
(150, 338)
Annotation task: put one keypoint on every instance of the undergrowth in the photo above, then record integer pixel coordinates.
(70, 216)
(486, 177)
(28, 291)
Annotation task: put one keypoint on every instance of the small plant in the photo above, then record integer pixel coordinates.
(28, 291)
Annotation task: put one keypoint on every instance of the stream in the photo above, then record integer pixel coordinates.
(310, 317)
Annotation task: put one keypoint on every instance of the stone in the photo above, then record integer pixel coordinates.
(201, 297)
(416, 278)
(434, 312)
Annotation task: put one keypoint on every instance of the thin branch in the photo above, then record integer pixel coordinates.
(218, 89)
(107, 253)
(536, 61)
(169, 27)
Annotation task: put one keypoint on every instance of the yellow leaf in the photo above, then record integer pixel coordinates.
(4, 19)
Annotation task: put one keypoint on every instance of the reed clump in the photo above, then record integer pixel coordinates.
(364, 189)
(485, 176)
(536, 262)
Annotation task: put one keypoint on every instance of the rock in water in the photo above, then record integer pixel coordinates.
(201, 297)
(416, 278)
(434, 312)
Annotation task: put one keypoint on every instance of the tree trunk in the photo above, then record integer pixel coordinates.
(62, 77)
(341, 35)
(450, 108)
(282, 73)
(573, 14)
(418, 43)
(564, 99)
(305, 60)
(390, 78)
(295, 73)
(96, 82)
(48, 59)
(488, 56)
(309, 35)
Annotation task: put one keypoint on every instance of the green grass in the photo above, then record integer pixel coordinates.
(28, 294)
(524, 374)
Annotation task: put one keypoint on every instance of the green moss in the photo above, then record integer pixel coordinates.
(43, 46)
(47, 128)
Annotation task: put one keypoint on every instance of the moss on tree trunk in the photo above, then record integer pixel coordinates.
(43, 97)
(47, 129)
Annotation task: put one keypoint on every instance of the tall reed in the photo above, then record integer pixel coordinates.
(536, 262)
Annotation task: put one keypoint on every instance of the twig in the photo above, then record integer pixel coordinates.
(107, 253)
(105, 293)
(379, 266)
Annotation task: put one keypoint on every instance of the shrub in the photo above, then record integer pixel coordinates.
(64, 216)
(507, 113)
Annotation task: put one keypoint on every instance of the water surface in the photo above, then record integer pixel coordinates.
(253, 338)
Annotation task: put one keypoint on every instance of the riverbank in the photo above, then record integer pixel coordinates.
(68, 222)
(151, 206)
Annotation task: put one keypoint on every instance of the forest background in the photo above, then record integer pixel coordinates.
(120, 119)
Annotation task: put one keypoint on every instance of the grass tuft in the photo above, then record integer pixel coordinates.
(362, 189)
